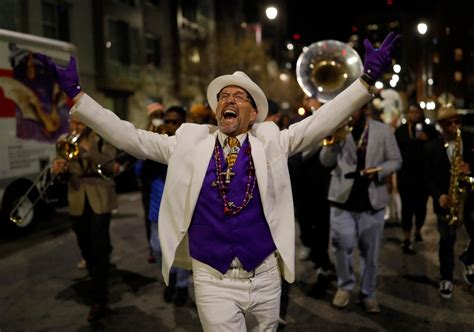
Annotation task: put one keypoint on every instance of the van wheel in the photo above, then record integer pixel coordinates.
(26, 211)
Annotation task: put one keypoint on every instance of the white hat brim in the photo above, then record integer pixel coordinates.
(241, 80)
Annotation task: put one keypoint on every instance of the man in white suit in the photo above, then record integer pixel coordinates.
(227, 210)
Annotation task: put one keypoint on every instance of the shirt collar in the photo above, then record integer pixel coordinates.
(222, 137)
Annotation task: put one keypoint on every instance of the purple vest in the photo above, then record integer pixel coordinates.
(215, 238)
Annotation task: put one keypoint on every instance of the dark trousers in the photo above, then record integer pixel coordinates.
(320, 241)
(414, 200)
(467, 256)
(146, 209)
(447, 239)
(92, 232)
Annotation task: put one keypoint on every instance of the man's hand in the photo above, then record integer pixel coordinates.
(444, 201)
(67, 78)
(464, 168)
(376, 61)
(370, 173)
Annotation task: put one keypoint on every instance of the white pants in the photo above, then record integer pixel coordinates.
(362, 229)
(224, 301)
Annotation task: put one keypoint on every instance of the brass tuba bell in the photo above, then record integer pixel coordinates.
(325, 69)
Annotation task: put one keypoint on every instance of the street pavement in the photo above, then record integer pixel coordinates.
(43, 290)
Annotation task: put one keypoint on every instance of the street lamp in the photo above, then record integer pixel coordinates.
(422, 28)
(271, 12)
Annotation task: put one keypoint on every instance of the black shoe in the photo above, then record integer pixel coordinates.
(168, 294)
(97, 312)
(181, 296)
(408, 248)
(418, 237)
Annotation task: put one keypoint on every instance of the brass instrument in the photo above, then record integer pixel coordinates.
(124, 160)
(325, 69)
(66, 148)
(115, 166)
(459, 185)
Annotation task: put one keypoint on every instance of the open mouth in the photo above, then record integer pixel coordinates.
(229, 114)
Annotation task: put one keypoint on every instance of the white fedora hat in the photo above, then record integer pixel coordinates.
(241, 80)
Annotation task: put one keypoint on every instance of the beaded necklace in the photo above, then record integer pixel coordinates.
(230, 208)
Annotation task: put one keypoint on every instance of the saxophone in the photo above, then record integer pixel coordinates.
(459, 185)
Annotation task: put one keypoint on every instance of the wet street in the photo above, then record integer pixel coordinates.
(43, 290)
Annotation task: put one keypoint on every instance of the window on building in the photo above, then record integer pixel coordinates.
(123, 42)
(118, 38)
(458, 54)
(154, 3)
(189, 10)
(153, 51)
(120, 104)
(55, 20)
(134, 45)
(131, 3)
(458, 76)
(8, 15)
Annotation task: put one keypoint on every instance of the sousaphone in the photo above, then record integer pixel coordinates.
(326, 68)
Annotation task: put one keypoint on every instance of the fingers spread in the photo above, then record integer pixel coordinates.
(368, 46)
(387, 41)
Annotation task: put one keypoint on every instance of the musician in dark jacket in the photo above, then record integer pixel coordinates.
(439, 155)
(411, 139)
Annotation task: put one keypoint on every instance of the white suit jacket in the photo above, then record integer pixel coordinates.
(382, 151)
(188, 154)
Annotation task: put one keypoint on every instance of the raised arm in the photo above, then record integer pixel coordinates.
(308, 133)
(121, 134)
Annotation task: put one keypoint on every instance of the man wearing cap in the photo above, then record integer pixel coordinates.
(439, 155)
(226, 211)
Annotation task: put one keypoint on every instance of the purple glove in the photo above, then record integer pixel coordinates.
(377, 60)
(67, 78)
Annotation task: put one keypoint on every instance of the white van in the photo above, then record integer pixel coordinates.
(33, 114)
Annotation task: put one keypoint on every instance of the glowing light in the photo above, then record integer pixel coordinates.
(393, 83)
(422, 28)
(271, 13)
(395, 77)
(397, 68)
(427, 121)
(305, 48)
(290, 46)
(378, 85)
(404, 121)
(422, 105)
(431, 105)
(430, 81)
(296, 36)
(352, 60)
(108, 44)
(284, 77)
(301, 111)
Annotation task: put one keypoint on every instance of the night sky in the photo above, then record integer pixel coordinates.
(332, 19)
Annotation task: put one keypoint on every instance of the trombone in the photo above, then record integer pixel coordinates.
(124, 162)
(66, 148)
